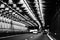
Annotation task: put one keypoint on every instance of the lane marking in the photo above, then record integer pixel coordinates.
(49, 37)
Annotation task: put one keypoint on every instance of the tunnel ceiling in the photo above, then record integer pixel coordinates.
(24, 11)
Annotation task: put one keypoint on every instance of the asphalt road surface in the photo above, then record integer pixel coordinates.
(28, 36)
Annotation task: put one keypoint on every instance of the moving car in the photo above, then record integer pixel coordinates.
(33, 30)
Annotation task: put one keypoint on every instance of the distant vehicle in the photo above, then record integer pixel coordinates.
(33, 30)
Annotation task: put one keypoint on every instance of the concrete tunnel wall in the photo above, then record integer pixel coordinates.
(5, 25)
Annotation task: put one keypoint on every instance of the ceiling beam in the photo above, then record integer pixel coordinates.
(32, 14)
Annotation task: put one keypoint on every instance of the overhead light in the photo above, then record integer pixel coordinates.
(20, 10)
(10, 1)
(17, 8)
(13, 13)
(7, 8)
(14, 5)
(2, 6)
(10, 10)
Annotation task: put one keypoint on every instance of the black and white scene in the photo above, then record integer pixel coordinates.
(29, 20)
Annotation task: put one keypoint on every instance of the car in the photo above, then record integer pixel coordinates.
(33, 30)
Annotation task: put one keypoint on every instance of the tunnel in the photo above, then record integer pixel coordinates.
(21, 16)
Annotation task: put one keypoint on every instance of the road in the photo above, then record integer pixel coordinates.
(27, 36)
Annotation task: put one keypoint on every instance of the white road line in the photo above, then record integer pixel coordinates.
(49, 37)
